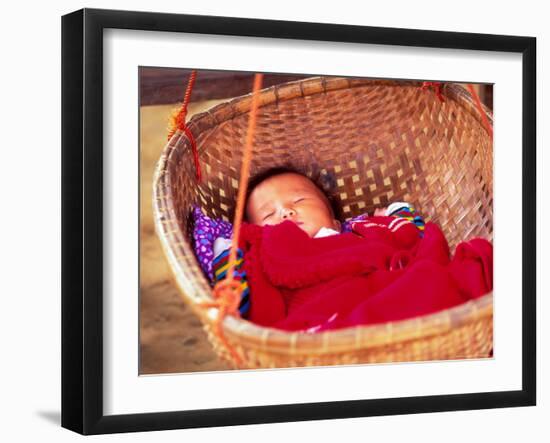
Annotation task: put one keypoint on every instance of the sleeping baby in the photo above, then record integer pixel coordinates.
(299, 271)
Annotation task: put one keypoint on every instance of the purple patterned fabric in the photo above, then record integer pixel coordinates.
(205, 232)
(346, 226)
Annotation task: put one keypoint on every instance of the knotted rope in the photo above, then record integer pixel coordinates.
(178, 123)
(436, 86)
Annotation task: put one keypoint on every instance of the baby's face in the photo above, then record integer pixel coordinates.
(291, 197)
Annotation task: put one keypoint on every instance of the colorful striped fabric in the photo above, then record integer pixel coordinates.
(407, 212)
(220, 265)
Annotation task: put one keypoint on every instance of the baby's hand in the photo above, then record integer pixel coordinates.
(380, 211)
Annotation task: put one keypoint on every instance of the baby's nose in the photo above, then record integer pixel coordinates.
(288, 212)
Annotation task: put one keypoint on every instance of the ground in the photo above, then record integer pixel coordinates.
(171, 336)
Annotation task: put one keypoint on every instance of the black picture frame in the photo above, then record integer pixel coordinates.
(82, 218)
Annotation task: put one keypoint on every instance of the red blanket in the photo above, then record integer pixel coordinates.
(380, 272)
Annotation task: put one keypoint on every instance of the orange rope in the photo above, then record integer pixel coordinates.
(178, 123)
(178, 120)
(245, 172)
(481, 111)
(227, 292)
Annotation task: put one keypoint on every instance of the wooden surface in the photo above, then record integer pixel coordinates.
(167, 85)
(171, 336)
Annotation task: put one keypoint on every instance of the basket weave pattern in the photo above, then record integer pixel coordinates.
(372, 142)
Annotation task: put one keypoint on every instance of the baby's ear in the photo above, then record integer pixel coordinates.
(337, 225)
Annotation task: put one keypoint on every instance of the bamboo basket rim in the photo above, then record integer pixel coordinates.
(175, 244)
(314, 85)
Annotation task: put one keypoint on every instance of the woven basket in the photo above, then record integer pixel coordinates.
(374, 142)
